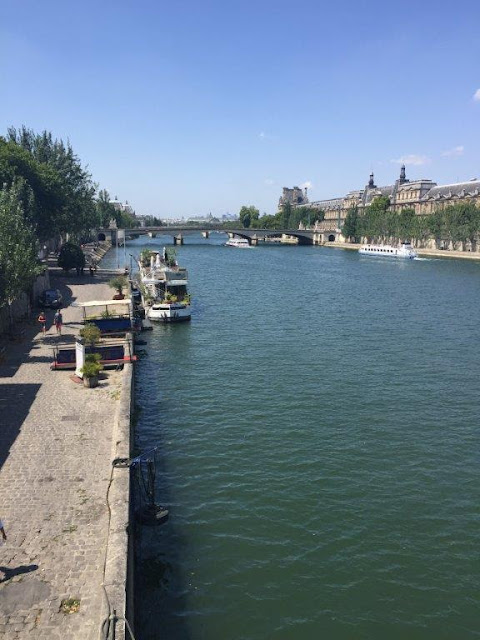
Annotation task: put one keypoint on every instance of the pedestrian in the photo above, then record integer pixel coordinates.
(90, 268)
(43, 322)
(2, 531)
(58, 321)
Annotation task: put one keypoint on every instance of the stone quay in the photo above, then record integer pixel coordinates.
(65, 507)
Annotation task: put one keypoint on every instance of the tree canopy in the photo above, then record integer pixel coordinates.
(288, 217)
(248, 215)
(18, 253)
(68, 184)
(457, 224)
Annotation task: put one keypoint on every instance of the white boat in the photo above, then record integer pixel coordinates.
(240, 243)
(169, 311)
(387, 251)
(165, 283)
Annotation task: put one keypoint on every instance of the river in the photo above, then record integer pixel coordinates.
(317, 427)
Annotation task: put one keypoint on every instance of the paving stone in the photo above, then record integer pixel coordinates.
(55, 457)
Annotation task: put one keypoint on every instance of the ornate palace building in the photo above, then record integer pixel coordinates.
(295, 196)
(424, 196)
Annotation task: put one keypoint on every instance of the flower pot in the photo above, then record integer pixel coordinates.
(90, 382)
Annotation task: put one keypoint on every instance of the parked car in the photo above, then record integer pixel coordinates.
(50, 298)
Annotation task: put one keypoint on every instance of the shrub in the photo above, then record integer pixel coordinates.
(91, 369)
(91, 334)
(71, 256)
(119, 283)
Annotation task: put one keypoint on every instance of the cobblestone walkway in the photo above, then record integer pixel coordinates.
(55, 465)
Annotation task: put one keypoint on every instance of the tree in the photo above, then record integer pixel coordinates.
(152, 221)
(39, 190)
(18, 247)
(119, 283)
(248, 215)
(350, 228)
(71, 256)
(105, 209)
(78, 212)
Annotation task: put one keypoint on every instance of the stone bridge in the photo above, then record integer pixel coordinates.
(254, 236)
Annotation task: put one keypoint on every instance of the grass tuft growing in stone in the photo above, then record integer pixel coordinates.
(70, 605)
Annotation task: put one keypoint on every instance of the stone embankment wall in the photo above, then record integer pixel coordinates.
(119, 557)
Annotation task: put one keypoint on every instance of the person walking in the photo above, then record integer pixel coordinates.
(2, 531)
(43, 322)
(58, 321)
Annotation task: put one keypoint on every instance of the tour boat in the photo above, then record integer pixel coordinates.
(240, 243)
(166, 287)
(387, 251)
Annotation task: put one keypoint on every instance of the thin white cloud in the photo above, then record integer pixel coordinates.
(453, 153)
(412, 159)
(263, 135)
(306, 185)
(476, 95)
(269, 182)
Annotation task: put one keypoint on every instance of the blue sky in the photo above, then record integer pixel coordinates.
(185, 108)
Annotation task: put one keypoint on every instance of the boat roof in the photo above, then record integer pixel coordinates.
(103, 303)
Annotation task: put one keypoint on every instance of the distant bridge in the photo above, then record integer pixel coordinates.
(254, 236)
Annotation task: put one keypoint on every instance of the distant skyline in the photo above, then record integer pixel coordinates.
(186, 108)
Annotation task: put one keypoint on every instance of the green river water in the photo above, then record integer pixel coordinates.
(317, 426)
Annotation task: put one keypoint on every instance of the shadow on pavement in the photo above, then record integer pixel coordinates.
(15, 403)
(9, 573)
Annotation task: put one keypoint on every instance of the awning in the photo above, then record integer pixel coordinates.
(103, 303)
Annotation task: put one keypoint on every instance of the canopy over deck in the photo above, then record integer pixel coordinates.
(103, 303)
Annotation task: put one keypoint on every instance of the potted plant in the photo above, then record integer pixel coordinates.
(119, 283)
(91, 369)
(91, 334)
(145, 257)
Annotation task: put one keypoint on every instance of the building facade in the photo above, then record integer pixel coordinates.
(295, 197)
(424, 196)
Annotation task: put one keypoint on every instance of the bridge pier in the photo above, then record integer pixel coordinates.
(151, 234)
(178, 240)
(206, 234)
(254, 241)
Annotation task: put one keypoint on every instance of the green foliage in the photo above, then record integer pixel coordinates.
(145, 257)
(350, 228)
(18, 247)
(287, 218)
(248, 215)
(91, 334)
(455, 224)
(152, 221)
(119, 283)
(91, 369)
(38, 187)
(105, 210)
(170, 257)
(71, 256)
(291, 218)
(61, 179)
(93, 357)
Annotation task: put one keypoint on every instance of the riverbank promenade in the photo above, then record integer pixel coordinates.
(56, 443)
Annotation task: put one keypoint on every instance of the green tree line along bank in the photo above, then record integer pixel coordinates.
(454, 225)
(287, 218)
(45, 194)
